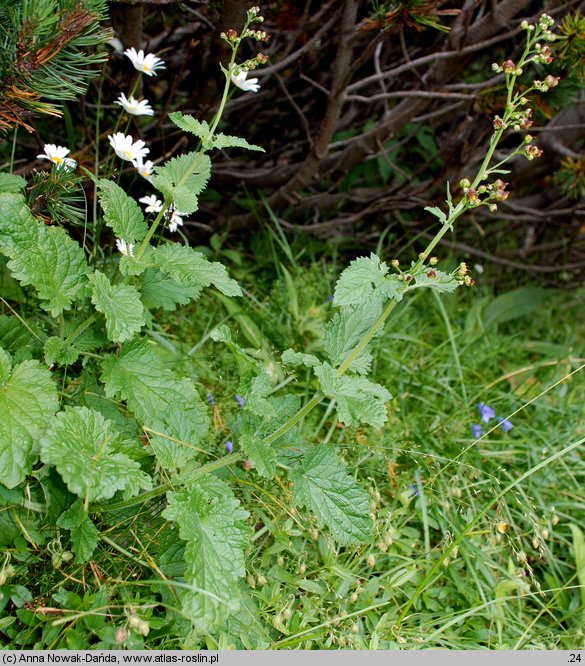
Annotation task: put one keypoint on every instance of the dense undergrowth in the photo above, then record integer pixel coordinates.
(313, 454)
(513, 579)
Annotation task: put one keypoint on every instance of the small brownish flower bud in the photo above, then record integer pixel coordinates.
(469, 281)
(431, 273)
(552, 81)
(499, 123)
(231, 35)
(472, 196)
(509, 67)
(262, 59)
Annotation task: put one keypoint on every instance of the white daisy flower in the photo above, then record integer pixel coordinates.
(145, 169)
(175, 222)
(126, 148)
(247, 85)
(153, 205)
(57, 155)
(134, 107)
(125, 249)
(147, 64)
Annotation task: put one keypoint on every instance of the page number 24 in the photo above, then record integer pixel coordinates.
(574, 658)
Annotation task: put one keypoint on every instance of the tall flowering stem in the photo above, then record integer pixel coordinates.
(475, 194)
(234, 42)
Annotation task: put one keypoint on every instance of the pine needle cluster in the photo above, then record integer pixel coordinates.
(46, 53)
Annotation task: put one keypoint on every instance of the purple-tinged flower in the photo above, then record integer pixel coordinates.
(229, 446)
(240, 400)
(505, 424)
(485, 412)
(476, 431)
(210, 399)
(413, 488)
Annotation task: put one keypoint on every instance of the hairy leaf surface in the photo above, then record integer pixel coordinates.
(364, 279)
(82, 446)
(358, 399)
(346, 329)
(28, 398)
(121, 306)
(322, 484)
(41, 256)
(191, 268)
(121, 212)
(182, 179)
(168, 405)
(12, 183)
(84, 534)
(212, 522)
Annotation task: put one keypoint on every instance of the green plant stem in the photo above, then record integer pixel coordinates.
(195, 161)
(82, 327)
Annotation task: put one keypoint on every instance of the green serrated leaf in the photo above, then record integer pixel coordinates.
(346, 329)
(358, 399)
(167, 405)
(13, 335)
(42, 256)
(252, 431)
(59, 351)
(366, 279)
(200, 128)
(160, 291)
(220, 141)
(255, 388)
(81, 444)
(28, 398)
(191, 268)
(437, 212)
(132, 265)
(212, 522)
(84, 534)
(322, 484)
(121, 306)
(291, 357)
(11, 183)
(182, 179)
(121, 212)
(444, 283)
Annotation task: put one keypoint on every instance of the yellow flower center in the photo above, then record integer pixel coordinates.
(128, 154)
(56, 160)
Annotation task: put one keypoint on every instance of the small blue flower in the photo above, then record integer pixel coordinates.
(485, 412)
(505, 424)
(476, 431)
(240, 400)
(210, 399)
(414, 489)
(229, 446)
(330, 298)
